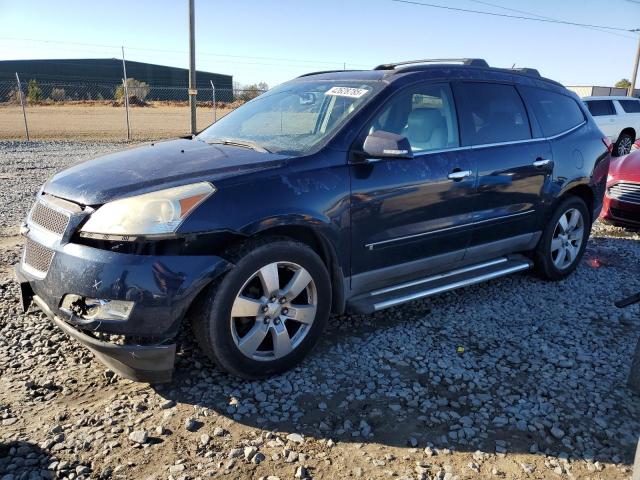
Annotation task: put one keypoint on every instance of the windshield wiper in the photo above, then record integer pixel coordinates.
(241, 143)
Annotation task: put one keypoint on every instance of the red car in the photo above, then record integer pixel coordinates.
(622, 198)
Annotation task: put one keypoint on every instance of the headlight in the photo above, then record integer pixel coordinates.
(154, 213)
(609, 178)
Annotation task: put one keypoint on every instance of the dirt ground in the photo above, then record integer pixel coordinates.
(100, 122)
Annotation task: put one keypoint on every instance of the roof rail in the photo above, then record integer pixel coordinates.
(326, 71)
(527, 71)
(472, 62)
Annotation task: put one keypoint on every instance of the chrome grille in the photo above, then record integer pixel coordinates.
(49, 219)
(37, 256)
(626, 192)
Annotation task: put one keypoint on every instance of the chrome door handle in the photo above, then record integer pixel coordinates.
(459, 175)
(542, 162)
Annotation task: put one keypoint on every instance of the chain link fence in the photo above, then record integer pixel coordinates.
(98, 111)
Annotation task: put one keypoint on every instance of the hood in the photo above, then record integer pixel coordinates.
(153, 167)
(627, 167)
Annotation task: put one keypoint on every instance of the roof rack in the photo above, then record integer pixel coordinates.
(326, 71)
(527, 71)
(472, 62)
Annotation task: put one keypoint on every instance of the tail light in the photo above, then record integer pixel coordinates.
(608, 144)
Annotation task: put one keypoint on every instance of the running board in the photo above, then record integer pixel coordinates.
(443, 282)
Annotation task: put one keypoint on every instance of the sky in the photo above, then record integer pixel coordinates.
(275, 40)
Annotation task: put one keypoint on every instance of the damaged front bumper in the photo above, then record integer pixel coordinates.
(161, 289)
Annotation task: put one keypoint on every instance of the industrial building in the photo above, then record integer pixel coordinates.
(103, 74)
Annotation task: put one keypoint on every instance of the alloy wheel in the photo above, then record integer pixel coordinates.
(624, 146)
(273, 311)
(567, 239)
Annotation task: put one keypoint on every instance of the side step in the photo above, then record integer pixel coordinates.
(443, 282)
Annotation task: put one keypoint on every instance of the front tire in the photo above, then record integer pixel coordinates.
(563, 240)
(268, 312)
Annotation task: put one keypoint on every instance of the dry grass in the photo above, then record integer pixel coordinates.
(100, 122)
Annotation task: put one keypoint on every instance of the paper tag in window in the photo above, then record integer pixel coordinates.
(346, 92)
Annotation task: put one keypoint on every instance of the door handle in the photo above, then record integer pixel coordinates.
(542, 162)
(456, 176)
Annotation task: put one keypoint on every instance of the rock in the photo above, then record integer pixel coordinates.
(301, 472)
(176, 469)
(219, 432)
(139, 436)
(167, 404)
(249, 452)
(235, 453)
(204, 439)
(258, 458)
(295, 437)
(557, 432)
(191, 425)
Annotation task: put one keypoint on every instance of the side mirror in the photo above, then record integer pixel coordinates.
(381, 144)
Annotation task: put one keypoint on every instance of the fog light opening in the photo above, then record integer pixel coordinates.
(96, 308)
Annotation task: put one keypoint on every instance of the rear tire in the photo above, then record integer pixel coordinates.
(267, 313)
(563, 240)
(624, 144)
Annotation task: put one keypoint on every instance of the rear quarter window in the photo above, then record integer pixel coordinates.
(630, 106)
(599, 108)
(555, 112)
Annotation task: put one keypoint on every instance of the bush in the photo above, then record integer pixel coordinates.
(13, 96)
(34, 92)
(137, 90)
(58, 94)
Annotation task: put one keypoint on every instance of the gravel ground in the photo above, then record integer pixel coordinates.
(538, 392)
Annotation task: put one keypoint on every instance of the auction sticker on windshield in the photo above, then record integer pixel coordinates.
(346, 92)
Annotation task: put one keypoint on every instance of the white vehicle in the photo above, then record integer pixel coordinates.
(618, 118)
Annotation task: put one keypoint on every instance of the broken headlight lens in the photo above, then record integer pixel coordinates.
(154, 213)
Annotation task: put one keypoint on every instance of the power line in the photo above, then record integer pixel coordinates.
(312, 62)
(548, 18)
(517, 17)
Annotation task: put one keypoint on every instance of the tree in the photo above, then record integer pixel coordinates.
(624, 83)
(249, 92)
(263, 87)
(34, 92)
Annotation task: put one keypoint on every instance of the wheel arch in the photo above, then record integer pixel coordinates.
(582, 191)
(630, 130)
(312, 237)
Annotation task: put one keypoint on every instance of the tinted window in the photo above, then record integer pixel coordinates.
(556, 113)
(599, 108)
(491, 113)
(630, 106)
(424, 114)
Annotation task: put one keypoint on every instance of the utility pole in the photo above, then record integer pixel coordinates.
(192, 66)
(632, 87)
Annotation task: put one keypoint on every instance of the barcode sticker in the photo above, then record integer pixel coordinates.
(346, 92)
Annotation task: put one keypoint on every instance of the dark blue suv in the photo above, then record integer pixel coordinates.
(356, 190)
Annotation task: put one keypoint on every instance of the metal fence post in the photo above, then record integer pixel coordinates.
(213, 101)
(24, 112)
(126, 106)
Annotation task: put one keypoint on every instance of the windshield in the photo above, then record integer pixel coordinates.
(293, 118)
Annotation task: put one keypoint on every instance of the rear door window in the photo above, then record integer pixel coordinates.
(600, 108)
(630, 106)
(491, 113)
(555, 112)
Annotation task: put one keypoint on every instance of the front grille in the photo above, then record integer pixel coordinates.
(49, 219)
(625, 215)
(37, 256)
(626, 192)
